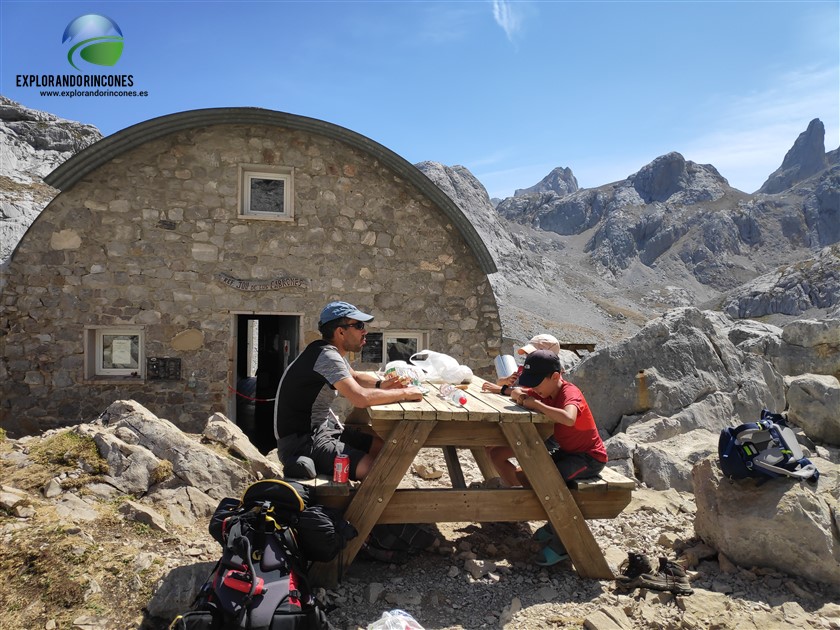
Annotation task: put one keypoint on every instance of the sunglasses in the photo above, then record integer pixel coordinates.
(357, 325)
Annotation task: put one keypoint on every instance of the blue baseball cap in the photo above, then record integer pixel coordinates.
(538, 365)
(337, 310)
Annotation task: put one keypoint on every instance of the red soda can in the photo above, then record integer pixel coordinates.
(341, 469)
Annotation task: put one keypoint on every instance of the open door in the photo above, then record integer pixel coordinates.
(265, 345)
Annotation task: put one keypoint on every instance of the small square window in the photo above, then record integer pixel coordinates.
(266, 192)
(114, 352)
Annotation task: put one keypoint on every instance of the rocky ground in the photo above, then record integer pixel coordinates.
(65, 568)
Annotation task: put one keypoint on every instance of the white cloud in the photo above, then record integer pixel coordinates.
(507, 17)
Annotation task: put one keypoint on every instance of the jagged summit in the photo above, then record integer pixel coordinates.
(671, 175)
(32, 144)
(806, 157)
(560, 180)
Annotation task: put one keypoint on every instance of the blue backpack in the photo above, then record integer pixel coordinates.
(767, 448)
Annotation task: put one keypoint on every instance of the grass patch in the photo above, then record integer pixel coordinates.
(67, 451)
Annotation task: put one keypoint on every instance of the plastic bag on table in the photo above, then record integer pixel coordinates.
(441, 367)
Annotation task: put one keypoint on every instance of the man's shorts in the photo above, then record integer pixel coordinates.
(330, 440)
(576, 465)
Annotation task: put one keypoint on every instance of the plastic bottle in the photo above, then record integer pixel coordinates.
(453, 394)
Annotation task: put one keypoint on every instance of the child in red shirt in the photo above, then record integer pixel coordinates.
(581, 452)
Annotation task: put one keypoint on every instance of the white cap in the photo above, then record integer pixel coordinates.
(541, 342)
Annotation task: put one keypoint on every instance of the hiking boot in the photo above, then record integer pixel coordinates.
(670, 577)
(632, 568)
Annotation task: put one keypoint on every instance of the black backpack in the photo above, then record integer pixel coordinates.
(269, 538)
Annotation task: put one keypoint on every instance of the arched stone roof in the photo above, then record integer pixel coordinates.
(74, 169)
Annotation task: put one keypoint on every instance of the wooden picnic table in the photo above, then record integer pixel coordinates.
(486, 420)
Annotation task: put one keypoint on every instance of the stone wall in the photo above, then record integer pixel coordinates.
(146, 238)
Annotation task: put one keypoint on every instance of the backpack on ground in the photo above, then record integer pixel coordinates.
(261, 581)
(767, 448)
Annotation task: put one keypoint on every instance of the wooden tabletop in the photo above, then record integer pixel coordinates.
(480, 407)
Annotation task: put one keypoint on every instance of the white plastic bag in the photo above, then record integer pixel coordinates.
(455, 375)
(395, 620)
(441, 367)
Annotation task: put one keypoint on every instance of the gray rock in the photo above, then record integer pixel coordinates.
(673, 363)
(175, 594)
(797, 520)
(32, 143)
(194, 464)
(75, 509)
(813, 404)
(560, 181)
(184, 506)
(132, 469)
(221, 430)
(52, 489)
(805, 158)
(143, 514)
(790, 289)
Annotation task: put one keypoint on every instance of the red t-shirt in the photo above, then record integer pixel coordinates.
(582, 437)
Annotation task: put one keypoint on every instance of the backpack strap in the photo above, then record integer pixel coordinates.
(807, 470)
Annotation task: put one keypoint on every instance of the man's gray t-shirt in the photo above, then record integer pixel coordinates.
(306, 390)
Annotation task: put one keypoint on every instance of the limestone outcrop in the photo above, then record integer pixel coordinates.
(806, 158)
(560, 180)
(781, 523)
(32, 143)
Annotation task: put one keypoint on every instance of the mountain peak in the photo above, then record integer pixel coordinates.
(560, 180)
(671, 174)
(806, 158)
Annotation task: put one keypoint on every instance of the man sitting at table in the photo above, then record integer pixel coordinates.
(307, 429)
(581, 453)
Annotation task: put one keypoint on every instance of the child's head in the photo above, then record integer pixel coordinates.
(542, 372)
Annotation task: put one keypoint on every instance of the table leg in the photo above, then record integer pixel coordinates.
(485, 465)
(456, 475)
(551, 490)
(398, 451)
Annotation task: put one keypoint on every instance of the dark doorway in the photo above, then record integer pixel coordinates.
(265, 345)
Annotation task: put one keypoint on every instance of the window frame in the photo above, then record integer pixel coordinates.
(249, 172)
(422, 338)
(95, 347)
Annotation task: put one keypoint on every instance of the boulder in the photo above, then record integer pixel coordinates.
(177, 590)
(221, 430)
(813, 404)
(784, 524)
(131, 469)
(668, 463)
(192, 463)
(674, 362)
(184, 506)
(809, 347)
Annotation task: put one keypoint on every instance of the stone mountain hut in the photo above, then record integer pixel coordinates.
(187, 258)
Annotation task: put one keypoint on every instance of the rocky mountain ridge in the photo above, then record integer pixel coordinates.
(590, 265)
(673, 234)
(32, 144)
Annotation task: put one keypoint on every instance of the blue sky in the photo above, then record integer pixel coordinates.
(509, 90)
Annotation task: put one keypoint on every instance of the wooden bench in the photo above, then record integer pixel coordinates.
(604, 497)
(323, 487)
